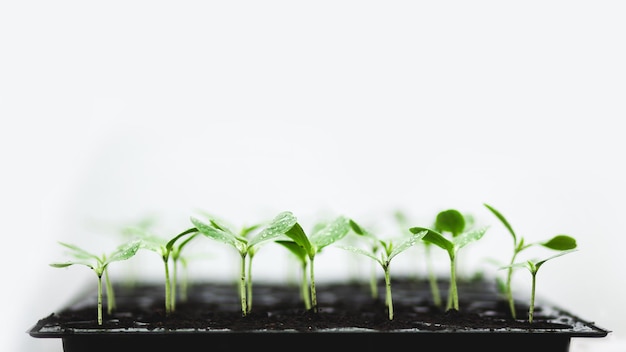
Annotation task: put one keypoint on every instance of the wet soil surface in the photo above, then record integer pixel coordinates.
(279, 307)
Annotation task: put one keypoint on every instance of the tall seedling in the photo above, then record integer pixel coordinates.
(451, 221)
(432, 277)
(313, 244)
(99, 265)
(247, 247)
(558, 243)
(386, 255)
(165, 248)
(533, 267)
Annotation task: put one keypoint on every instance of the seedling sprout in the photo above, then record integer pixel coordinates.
(166, 249)
(246, 247)
(533, 267)
(386, 255)
(99, 265)
(451, 221)
(313, 244)
(558, 242)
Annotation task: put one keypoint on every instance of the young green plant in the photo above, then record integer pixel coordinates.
(402, 221)
(320, 237)
(99, 265)
(451, 221)
(533, 267)
(389, 251)
(246, 247)
(167, 249)
(558, 243)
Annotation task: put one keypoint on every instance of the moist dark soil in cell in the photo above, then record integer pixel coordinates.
(279, 307)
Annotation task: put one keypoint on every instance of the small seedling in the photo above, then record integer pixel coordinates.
(533, 267)
(451, 221)
(166, 249)
(313, 244)
(388, 253)
(303, 257)
(246, 247)
(432, 276)
(558, 242)
(99, 265)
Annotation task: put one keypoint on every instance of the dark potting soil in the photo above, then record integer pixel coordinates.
(278, 307)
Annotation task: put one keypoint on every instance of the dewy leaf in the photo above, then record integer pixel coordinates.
(469, 236)
(435, 238)
(541, 262)
(560, 243)
(171, 242)
(125, 251)
(360, 251)
(216, 234)
(297, 234)
(331, 233)
(70, 263)
(281, 224)
(450, 220)
(78, 252)
(407, 243)
(502, 220)
(294, 248)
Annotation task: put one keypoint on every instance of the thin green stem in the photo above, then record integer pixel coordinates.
(110, 293)
(432, 278)
(174, 286)
(453, 297)
(242, 286)
(249, 286)
(388, 298)
(168, 301)
(312, 282)
(304, 288)
(531, 310)
(99, 299)
(373, 281)
(509, 290)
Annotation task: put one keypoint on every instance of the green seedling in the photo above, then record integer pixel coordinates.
(386, 255)
(247, 247)
(167, 249)
(99, 265)
(451, 221)
(533, 267)
(432, 277)
(320, 237)
(558, 243)
(303, 258)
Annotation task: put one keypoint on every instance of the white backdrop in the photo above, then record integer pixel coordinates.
(119, 110)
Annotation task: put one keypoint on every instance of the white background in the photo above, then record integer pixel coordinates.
(113, 111)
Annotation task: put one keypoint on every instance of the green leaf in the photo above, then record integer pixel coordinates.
(435, 238)
(277, 227)
(470, 236)
(450, 220)
(294, 248)
(215, 233)
(560, 243)
(124, 251)
(362, 252)
(331, 233)
(78, 252)
(70, 263)
(407, 243)
(171, 242)
(356, 228)
(502, 220)
(541, 262)
(297, 234)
